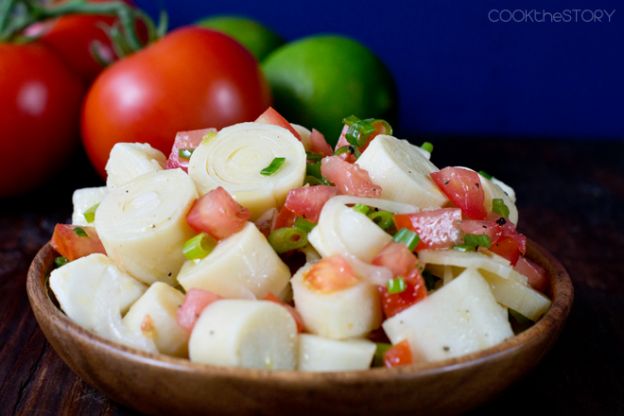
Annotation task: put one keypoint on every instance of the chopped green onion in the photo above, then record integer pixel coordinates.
(343, 149)
(304, 225)
(349, 120)
(314, 157)
(185, 153)
(198, 247)
(427, 147)
(474, 241)
(485, 174)
(89, 214)
(396, 285)
(463, 247)
(378, 358)
(287, 239)
(313, 174)
(273, 167)
(80, 232)
(60, 261)
(499, 207)
(384, 219)
(430, 280)
(362, 209)
(407, 237)
(359, 132)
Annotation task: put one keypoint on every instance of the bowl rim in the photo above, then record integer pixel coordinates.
(549, 324)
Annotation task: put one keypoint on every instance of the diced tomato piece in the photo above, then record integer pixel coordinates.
(415, 291)
(349, 179)
(308, 201)
(293, 312)
(195, 301)
(185, 140)
(283, 218)
(399, 354)
(270, 116)
(482, 227)
(463, 187)
(73, 242)
(506, 247)
(538, 278)
(438, 228)
(318, 144)
(218, 214)
(396, 257)
(330, 274)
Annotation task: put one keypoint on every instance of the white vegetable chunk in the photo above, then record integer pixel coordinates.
(154, 316)
(524, 299)
(237, 155)
(402, 171)
(492, 190)
(323, 354)
(131, 160)
(460, 318)
(143, 225)
(83, 199)
(304, 133)
(94, 293)
(243, 265)
(245, 333)
(348, 313)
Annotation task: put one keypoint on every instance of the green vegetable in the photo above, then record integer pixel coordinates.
(427, 146)
(378, 358)
(361, 208)
(474, 241)
(287, 239)
(313, 174)
(89, 214)
(396, 285)
(198, 247)
(384, 219)
(499, 207)
(273, 167)
(314, 157)
(80, 232)
(359, 132)
(485, 174)
(407, 237)
(185, 153)
(304, 225)
(60, 261)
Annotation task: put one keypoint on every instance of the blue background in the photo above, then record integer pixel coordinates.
(460, 74)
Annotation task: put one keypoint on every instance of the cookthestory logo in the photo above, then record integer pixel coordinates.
(550, 16)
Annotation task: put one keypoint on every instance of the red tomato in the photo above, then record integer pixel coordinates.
(483, 227)
(538, 278)
(399, 354)
(283, 218)
(436, 228)
(415, 291)
(190, 79)
(308, 201)
(330, 274)
(463, 187)
(218, 214)
(270, 116)
(73, 242)
(293, 312)
(195, 301)
(185, 140)
(397, 258)
(318, 144)
(39, 115)
(349, 179)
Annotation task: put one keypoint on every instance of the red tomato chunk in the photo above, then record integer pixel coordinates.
(463, 187)
(218, 214)
(270, 116)
(195, 301)
(308, 201)
(349, 179)
(73, 242)
(399, 354)
(438, 228)
(185, 142)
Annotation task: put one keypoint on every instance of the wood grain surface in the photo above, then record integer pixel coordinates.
(571, 201)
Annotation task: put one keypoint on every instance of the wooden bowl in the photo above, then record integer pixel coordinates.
(158, 384)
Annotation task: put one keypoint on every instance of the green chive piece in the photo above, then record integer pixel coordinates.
(361, 208)
(273, 167)
(287, 239)
(407, 237)
(359, 132)
(185, 153)
(89, 214)
(463, 247)
(304, 225)
(384, 219)
(350, 120)
(473, 241)
(198, 247)
(427, 147)
(396, 285)
(60, 261)
(314, 169)
(80, 232)
(343, 149)
(485, 174)
(314, 157)
(499, 207)
(378, 358)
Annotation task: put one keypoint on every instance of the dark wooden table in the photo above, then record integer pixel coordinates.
(571, 200)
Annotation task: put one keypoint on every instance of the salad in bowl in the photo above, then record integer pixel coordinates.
(261, 246)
